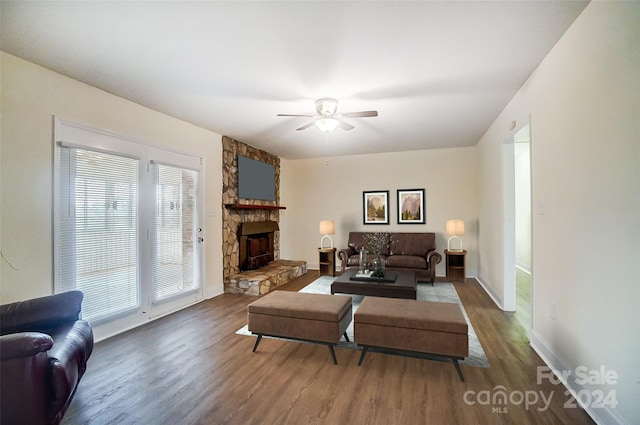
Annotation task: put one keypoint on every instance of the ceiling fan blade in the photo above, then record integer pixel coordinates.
(344, 125)
(360, 114)
(296, 115)
(304, 127)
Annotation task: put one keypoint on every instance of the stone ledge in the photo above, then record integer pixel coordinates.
(265, 279)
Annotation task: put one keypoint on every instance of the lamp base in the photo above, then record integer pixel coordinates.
(322, 241)
(449, 244)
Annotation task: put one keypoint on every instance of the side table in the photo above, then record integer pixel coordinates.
(327, 261)
(456, 268)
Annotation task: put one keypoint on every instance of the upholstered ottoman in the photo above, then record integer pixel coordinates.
(412, 326)
(300, 316)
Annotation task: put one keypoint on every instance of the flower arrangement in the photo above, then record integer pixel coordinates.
(376, 242)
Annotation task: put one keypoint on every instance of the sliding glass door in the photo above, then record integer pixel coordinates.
(127, 225)
(97, 238)
(175, 232)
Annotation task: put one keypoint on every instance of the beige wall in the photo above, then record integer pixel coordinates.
(31, 96)
(584, 101)
(318, 189)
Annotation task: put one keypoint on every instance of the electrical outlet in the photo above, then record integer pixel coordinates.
(553, 310)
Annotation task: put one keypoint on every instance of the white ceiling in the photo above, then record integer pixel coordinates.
(438, 72)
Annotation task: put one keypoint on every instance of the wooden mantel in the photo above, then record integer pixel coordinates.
(238, 206)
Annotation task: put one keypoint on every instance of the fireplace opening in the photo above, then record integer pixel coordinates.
(259, 253)
(256, 243)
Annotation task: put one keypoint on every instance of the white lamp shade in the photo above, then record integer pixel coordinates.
(455, 227)
(327, 227)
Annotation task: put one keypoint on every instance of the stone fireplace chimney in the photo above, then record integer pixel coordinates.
(250, 230)
(233, 217)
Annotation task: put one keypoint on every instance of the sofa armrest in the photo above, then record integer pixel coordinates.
(433, 258)
(67, 363)
(23, 344)
(344, 255)
(73, 347)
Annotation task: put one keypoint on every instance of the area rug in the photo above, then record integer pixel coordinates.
(440, 292)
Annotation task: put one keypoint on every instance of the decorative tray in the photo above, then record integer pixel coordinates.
(389, 277)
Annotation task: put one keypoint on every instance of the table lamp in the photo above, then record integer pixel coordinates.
(326, 229)
(455, 228)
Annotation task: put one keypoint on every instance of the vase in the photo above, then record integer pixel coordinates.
(363, 260)
(378, 267)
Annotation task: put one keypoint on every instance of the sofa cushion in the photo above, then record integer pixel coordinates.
(418, 244)
(406, 261)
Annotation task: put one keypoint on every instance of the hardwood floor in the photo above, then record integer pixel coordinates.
(192, 368)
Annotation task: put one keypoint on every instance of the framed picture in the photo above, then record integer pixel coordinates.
(375, 207)
(411, 206)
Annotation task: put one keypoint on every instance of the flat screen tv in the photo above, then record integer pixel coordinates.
(256, 179)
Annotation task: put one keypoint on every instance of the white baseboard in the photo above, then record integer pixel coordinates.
(495, 297)
(601, 415)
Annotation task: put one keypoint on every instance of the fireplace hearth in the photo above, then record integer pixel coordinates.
(255, 240)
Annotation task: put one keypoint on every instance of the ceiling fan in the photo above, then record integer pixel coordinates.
(327, 118)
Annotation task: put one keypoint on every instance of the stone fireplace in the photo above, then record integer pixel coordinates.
(247, 218)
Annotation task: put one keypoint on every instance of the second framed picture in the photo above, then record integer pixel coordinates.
(411, 206)
(375, 207)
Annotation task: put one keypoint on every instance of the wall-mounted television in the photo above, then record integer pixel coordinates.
(256, 179)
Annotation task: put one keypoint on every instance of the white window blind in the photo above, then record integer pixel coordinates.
(175, 242)
(127, 226)
(97, 241)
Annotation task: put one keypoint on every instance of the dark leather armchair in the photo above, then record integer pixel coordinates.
(44, 348)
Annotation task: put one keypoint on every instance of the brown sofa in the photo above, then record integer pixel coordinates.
(409, 251)
(44, 350)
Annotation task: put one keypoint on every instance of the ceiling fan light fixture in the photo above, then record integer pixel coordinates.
(327, 118)
(327, 124)
(326, 106)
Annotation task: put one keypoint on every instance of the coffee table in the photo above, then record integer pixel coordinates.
(403, 287)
